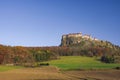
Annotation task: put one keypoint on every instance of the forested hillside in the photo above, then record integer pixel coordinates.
(20, 55)
(71, 45)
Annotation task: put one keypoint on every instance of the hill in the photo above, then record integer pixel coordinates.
(74, 44)
(88, 45)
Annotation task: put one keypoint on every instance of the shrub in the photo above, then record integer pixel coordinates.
(118, 68)
(16, 59)
(108, 59)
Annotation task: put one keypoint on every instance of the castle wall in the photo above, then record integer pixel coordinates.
(75, 38)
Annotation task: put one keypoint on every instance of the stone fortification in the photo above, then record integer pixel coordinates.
(75, 38)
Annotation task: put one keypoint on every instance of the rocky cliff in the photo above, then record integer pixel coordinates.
(83, 44)
(76, 38)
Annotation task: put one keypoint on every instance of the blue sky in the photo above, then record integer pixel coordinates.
(43, 22)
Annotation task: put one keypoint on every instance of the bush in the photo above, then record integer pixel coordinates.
(118, 68)
(44, 64)
(16, 59)
(108, 59)
(117, 59)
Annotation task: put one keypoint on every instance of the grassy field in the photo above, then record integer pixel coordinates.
(80, 62)
(53, 73)
(6, 68)
(69, 66)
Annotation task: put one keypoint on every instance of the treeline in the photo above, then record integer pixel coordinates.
(77, 51)
(20, 55)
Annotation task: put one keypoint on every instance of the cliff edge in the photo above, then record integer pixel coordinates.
(76, 38)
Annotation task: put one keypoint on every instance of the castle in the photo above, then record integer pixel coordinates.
(74, 38)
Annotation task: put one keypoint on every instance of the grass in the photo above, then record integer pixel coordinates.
(72, 63)
(6, 68)
(80, 62)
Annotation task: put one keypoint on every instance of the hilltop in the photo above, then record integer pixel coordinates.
(75, 44)
(81, 39)
(76, 38)
(85, 41)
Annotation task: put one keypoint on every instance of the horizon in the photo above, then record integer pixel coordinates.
(43, 22)
(60, 42)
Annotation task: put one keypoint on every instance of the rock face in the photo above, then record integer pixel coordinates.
(75, 38)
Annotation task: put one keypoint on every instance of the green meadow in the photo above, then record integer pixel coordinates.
(80, 62)
(6, 68)
(72, 63)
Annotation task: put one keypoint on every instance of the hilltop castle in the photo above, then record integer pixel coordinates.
(75, 38)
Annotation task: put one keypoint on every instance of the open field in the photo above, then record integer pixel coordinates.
(66, 68)
(42, 73)
(6, 68)
(94, 75)
(80, 62)
(53, 73)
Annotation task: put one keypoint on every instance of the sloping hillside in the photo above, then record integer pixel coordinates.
(87, 45)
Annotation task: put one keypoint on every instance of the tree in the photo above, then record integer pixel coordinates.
(108, 59)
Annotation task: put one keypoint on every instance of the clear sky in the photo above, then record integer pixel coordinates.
(43, 22)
